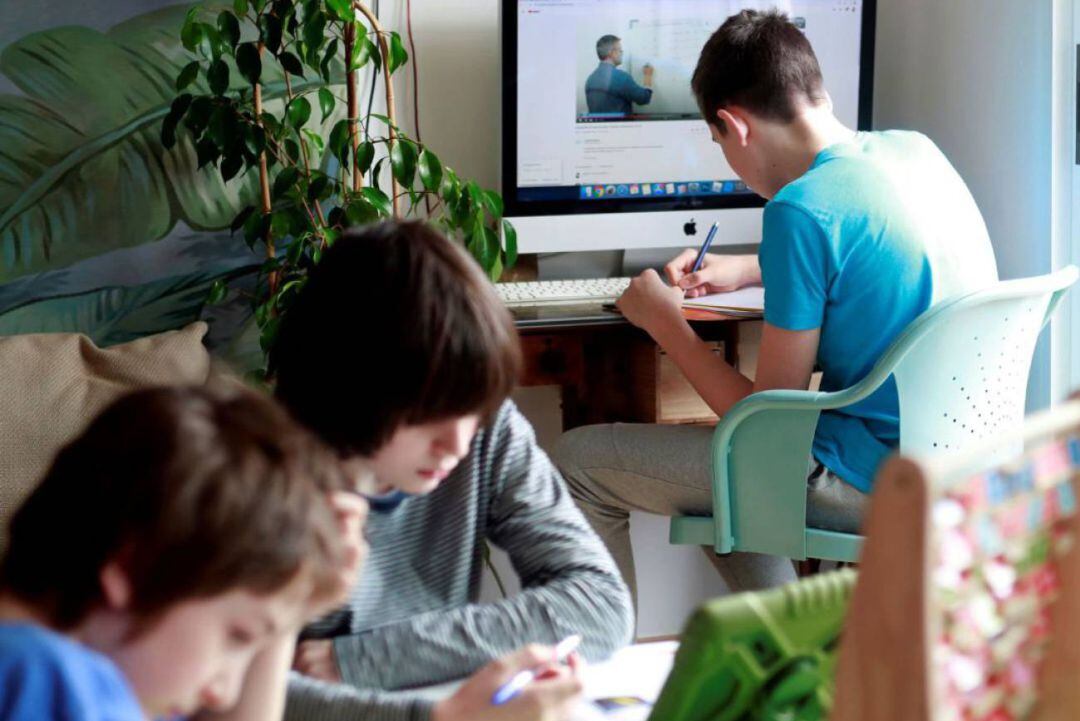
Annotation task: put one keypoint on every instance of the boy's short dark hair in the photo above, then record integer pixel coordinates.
(397, 325)
(605, 45)
(194, 492)
(761, 61)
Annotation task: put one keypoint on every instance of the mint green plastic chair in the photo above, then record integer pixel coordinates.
(961, 371)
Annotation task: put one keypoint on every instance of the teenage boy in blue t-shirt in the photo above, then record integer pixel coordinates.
(861, 234)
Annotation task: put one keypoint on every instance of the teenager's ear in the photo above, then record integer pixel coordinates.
(736, 123)
(115, 586)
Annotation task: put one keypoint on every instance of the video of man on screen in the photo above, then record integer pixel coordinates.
(641, 74)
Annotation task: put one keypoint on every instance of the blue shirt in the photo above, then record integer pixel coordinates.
(610, 90)
(875, 232)
(44, 675)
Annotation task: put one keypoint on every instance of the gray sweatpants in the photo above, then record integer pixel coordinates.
(613, 469)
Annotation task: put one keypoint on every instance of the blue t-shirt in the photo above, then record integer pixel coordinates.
(44, 675)
(610, 90)
(875, 232)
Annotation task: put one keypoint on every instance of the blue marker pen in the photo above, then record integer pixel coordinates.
(521, 679)
(705, 248)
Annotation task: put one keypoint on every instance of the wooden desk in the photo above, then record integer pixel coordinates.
(607, 369)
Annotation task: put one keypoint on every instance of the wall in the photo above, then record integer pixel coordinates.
(1066, 191)
(457, 45)
(975, 75)
(102, 231)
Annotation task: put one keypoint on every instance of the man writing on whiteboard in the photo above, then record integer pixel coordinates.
(611, 90)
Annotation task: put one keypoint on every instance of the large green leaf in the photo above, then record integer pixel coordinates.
(82, 170)
(119, 314)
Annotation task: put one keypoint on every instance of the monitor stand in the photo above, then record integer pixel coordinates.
(585, 264)
(636, 260)
(613, 263)
(601, 263)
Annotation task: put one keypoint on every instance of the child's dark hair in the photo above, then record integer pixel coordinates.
(397, 325)
(760, 61)
(194, 492)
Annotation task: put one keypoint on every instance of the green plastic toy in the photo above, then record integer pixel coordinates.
(761, 656)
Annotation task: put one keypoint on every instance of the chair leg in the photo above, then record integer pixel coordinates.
(809, 567)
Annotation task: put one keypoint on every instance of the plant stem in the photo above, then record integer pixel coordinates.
(264, 178)
(318, 230)
(385, 50)
(314, 222)
(307, 161)
(349, 36)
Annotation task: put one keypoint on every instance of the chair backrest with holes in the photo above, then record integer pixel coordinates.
(968, 600)
(965, 379)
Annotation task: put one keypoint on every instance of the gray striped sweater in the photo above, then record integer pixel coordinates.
(413, 619)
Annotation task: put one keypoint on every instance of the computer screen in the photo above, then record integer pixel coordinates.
(599, 117)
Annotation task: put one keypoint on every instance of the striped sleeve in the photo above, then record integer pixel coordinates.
(570, 582)
(312, 700)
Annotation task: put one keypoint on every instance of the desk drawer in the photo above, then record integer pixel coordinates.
(676, 399)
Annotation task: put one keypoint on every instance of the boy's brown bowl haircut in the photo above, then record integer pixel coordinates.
(196, 491)
(396, 325)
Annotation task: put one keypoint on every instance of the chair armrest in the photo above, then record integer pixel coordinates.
(759, 486)
(760, 452)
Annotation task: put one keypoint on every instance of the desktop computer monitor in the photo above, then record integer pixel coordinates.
(588, 170)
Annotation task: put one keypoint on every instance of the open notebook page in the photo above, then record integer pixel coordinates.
(750, 299)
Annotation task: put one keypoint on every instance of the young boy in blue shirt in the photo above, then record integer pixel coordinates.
(862, 232)
(182, 539)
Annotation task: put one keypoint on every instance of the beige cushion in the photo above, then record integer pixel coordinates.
(53, 384)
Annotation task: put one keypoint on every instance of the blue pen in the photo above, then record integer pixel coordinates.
(705, 248)
(521, 679)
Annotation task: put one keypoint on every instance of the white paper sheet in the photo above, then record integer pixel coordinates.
(750, 299)
(638, 670)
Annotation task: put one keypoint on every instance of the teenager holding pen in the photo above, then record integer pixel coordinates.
(862, 232)
(398, 352)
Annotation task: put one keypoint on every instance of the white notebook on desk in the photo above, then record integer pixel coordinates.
(745, 301)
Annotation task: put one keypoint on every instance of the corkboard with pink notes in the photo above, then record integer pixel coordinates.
(968, 601)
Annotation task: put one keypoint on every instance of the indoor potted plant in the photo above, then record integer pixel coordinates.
(272, 95)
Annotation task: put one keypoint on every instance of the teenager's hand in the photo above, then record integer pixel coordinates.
(316, 659)
(718, 273)
(647, 75)
(351, 513)
(551, 697)
(649, 303)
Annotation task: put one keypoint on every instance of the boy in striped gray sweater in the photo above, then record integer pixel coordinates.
(400, 355)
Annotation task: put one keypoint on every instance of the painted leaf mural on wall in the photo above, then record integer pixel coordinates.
(82, 170)
(117, 314)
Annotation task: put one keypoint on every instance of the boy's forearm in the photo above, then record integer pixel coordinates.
(751, 271)
(720, 385)
(570, 582)
(445, 645)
